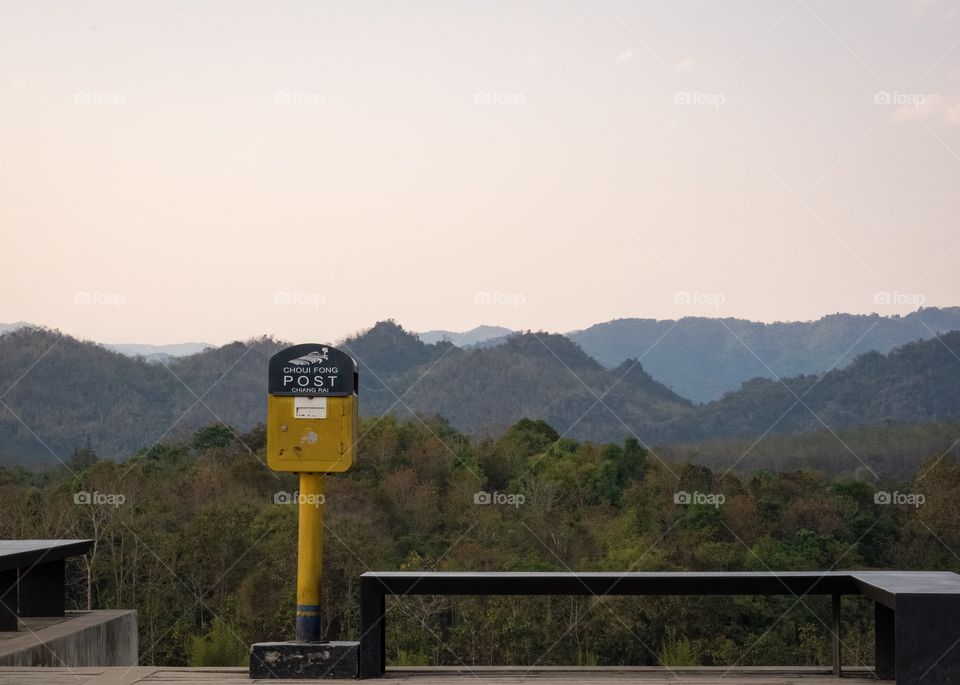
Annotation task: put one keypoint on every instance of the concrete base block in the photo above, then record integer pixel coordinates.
(304, 659)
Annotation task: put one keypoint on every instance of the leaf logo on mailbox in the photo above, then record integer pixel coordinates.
(314, 357)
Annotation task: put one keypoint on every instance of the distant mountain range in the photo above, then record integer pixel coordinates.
(698, 358)
(7, 327)
(79, 389)
(534, 375)
(152, 353)
(481, 335)
(701, 359)
(159, 353)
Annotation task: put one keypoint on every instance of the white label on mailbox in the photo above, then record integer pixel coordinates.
(309, 407)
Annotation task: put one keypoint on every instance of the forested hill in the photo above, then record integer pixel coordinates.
(914, 383)
(703, 358)
(533, 375)
(63, 390)
(80, 389)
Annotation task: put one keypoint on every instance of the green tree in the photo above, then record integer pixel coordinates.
(212, 436)
(220, 646)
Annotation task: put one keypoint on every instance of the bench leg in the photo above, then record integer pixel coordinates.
(42, 589)
(926, 629)
(837, 653)
(884, 642)
(373, 626)
(8, 600)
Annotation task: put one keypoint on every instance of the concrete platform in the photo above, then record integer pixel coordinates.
(150, 675)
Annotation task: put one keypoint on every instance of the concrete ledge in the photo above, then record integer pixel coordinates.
(80, 638)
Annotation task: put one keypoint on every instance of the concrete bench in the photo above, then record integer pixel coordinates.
(917, 613)
(32, 577)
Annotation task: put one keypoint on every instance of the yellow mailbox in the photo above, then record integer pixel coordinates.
(311, 428)
(311, 409)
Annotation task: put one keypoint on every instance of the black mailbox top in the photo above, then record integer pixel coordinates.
(312, 369)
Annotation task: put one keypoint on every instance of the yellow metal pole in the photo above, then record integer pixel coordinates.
(309, 556)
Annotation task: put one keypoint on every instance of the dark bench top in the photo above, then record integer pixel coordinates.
(21, 553)
(884, 586)
(881, 586)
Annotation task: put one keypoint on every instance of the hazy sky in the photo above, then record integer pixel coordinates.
(212, 170)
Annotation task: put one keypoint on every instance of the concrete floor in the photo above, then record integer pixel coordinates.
(151, 675)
